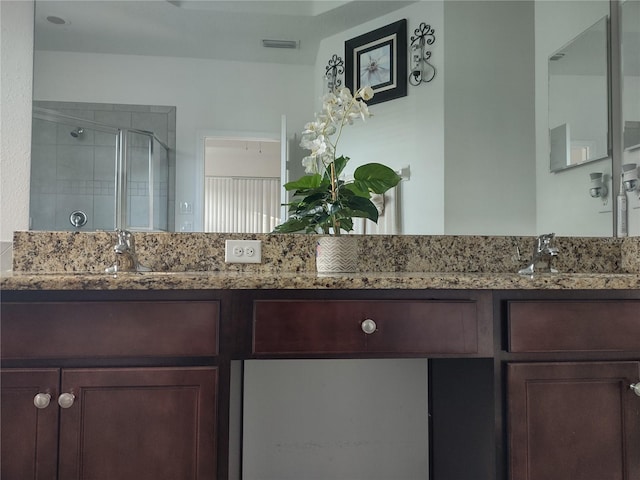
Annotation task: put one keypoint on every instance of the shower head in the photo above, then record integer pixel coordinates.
(77, 132)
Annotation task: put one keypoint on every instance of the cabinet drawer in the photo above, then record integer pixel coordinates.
(554, 326)
(109, 329)
(335, 326)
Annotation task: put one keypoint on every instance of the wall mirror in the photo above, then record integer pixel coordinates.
(578, 94)
(630, 52)
(206, 59)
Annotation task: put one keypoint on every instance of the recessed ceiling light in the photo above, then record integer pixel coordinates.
(280, 43)
(56, 20)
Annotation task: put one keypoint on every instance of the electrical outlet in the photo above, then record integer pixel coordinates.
(243, 251)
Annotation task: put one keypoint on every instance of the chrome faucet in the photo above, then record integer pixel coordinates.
(126, 257)
(543, 254)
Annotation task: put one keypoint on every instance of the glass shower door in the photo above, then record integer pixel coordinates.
(73, 169)
(143, 202)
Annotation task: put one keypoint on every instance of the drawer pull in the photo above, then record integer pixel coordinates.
(368, 326)
(636, 388)
(65, 400)
(42, 400)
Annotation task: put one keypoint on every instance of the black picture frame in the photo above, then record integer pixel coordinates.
(378, 59)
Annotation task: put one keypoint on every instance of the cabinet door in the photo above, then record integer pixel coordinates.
(139, 424)
(29, 435)
(574, 421)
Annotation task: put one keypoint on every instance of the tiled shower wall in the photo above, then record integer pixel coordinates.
(69, 174)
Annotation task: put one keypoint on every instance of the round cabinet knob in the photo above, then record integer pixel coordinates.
(42, 400)
(636, 388)
(66, 400)
(368, 326)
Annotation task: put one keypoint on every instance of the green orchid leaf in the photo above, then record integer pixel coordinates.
(292, 225)
(304, 182)
(314, 198)
(311, 211)
(340, 163)
(360, 207)
(334, 208)
(374, 177)
(346, 224)
(355, 189)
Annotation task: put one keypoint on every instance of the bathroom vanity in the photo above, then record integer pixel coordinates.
(150, 375)
(132, 375)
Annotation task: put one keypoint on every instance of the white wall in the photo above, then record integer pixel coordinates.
(563, 202)
(403, 131)
(209, 95)
(16, 46)
(489, 118)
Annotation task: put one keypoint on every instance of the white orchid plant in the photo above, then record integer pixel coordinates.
(323, 201)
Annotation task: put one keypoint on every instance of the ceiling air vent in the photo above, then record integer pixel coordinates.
(280, 43)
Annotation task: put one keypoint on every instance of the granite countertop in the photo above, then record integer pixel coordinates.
(309, 280)
(195, 261)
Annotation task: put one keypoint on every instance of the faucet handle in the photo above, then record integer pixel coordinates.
(124, 236)
(547, 237)
(544, 242)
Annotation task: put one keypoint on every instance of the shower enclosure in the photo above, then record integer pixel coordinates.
(90, 176)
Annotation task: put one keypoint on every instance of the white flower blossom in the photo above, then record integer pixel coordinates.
(366, 93)
(316, 127)
(345, 95)
(338, 109)
(364, 110)
(310, 164)
(317, 146)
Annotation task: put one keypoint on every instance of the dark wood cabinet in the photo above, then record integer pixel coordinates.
(523, 385)
(103, 415)
(573, 421)
(125, 423)
(109, 329)
(577, 418)
(574, 326)
(139, 423)
(28, 435)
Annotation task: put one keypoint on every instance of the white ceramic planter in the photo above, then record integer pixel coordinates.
(337, 254)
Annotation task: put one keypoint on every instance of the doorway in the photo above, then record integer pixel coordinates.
(241, 184)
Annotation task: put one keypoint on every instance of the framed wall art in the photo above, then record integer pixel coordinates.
(378, 59)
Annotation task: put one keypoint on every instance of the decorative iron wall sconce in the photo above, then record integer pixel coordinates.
(421, 70)
(333, 70)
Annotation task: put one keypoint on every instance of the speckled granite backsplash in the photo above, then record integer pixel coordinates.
(55, 252)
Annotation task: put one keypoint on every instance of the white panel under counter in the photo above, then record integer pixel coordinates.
(316, 419)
